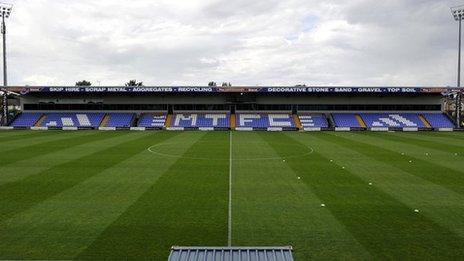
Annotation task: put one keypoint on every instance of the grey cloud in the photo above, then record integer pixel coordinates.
(364, 42)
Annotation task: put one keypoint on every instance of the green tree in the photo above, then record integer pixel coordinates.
(83, 83)
(134, 83)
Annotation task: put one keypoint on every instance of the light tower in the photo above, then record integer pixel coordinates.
(5, 11)
(458, 14)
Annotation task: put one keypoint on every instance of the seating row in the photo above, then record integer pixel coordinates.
(81, 120)
(242, 120)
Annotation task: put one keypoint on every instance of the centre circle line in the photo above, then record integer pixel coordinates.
(151, 150)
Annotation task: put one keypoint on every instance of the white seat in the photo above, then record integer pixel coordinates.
(83, 120)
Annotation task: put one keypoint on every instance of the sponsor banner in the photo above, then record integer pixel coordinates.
(342, 129)
(244, 128)
(39, 128)
(137, 128)
(6, 128)
(379, 129)
(206, 128)
(107, 128)
(199, 89)
(274, 129)
(175, 128)
(410, 129)
(445, 129)
(312, 129)
(69, 128)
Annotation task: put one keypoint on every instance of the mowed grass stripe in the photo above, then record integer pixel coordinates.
(448, 154)
(429, 142)
(186, 206)
(272, 207)
(65, 224)
(385, 226)
(422, 166)
(454, 138)
(23, 194)
(452, 135)
(17, 132)
(70, 150)
(443, 206)
(29, 152)
(24, 135)
(14, 146)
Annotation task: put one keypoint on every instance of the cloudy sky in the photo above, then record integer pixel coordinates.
(272, 42)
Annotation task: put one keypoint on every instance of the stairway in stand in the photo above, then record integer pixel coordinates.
(105, 120)
(425, 121)
(40, 120)
(232, 121)
(167, 123)
(361, 122)
(297, 121)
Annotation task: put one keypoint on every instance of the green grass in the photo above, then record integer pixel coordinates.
(104, 196)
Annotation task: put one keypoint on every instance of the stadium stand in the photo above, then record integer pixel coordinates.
(245, 107)
(264, 120)
(346, 120)
(150, 120)
(192, 120)
(240, 120)
(90, 120)
(120, 119)
(26, 119)
(392, 120)
(313, 121)
(438, 120)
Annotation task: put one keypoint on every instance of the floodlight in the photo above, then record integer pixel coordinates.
(457, 12)
(5, 9)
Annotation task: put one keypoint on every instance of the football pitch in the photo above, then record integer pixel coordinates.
(132, 195)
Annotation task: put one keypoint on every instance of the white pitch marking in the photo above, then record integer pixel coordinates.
(229, 230)
(152, 149)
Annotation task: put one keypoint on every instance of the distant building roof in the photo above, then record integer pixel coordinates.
(272, 253)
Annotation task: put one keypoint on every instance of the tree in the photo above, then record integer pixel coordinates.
(83, 83)
(225, 84)
(212, 84)
(134, 83)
